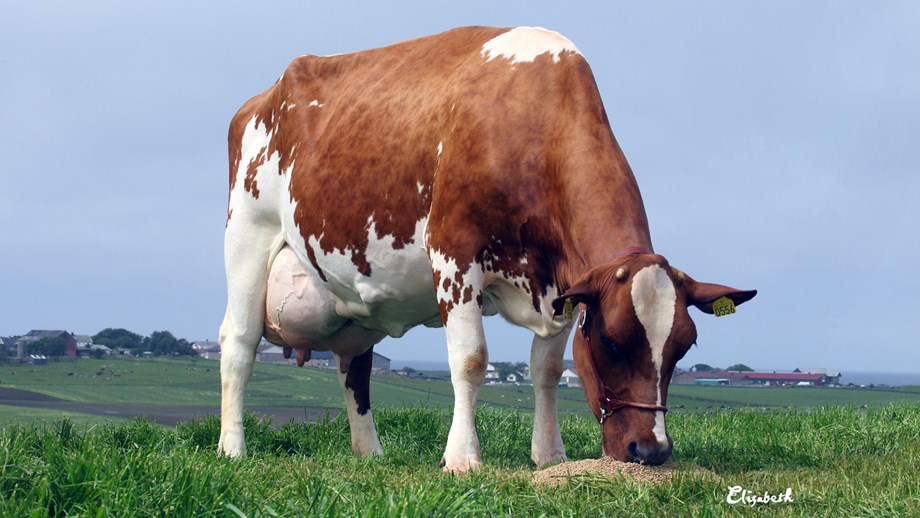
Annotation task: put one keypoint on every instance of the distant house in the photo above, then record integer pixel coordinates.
(491, 372)
(380, 363)
(207, 349)
(830, 377)
(86, 347)
(83, 341)
(570, 378)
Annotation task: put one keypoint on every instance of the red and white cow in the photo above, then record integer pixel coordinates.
(433, 182)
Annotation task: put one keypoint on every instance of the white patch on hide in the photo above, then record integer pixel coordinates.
(654, 300)
(524, 44)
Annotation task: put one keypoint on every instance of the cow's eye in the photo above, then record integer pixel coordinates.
(610, 345)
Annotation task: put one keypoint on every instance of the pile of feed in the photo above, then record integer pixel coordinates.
(607, 467)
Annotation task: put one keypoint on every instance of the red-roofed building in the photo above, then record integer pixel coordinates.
(739, 379)
(787, 378)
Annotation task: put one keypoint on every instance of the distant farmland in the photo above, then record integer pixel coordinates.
(196, 382)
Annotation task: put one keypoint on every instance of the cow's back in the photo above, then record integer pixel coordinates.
(465, 135)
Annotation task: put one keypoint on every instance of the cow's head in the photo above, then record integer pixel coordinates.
(633, 329)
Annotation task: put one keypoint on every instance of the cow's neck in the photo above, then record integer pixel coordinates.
(606, 215)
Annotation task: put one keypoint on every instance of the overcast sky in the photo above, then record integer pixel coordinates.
(776, 146)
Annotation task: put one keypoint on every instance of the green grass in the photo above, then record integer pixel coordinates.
(840, 461)
(691, 396)
(197, 382)
(11, 415)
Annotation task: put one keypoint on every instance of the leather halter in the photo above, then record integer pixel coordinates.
(608, 400)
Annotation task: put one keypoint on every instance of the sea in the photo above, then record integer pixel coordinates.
(891, 379)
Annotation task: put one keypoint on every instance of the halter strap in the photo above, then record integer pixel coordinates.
(608, 400)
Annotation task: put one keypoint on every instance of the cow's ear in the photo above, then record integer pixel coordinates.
(703, 294)
(580, 292)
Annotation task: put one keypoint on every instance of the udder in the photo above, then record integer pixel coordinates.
(299, 310)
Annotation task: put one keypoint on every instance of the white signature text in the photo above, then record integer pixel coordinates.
(739, 495)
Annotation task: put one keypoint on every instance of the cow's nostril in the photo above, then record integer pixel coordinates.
(654, 456)
(633, 453)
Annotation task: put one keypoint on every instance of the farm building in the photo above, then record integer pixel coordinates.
(830, 377)
(766, 379)
(326, 360)
(86, 347)
(730, 378)
(570, 377)
(771, 379)
(86, 351)
(721, 382)
(35, 335)
(271, 353)
(207, 349)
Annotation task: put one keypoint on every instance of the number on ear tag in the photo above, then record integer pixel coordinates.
(723, 306)
(568, 310)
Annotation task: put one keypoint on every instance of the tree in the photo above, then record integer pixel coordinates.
(118, 338)
(164, 343)
(740, 367)
(505, 368)
(702, 367)
(49, 346)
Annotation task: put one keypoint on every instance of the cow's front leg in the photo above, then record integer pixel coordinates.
(546, 369)
(460, 304)
(355, 380)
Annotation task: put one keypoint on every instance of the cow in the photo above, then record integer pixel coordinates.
(434, 182)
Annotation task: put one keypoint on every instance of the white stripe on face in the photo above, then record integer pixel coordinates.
(654, 300)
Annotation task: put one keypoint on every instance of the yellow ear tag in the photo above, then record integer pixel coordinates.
(723, 306)
(568, 310)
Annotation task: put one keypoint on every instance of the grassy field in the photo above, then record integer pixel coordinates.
(840, 461)
(197, 382)
(843, 452)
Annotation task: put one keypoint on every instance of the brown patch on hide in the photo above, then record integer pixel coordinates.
(474, 365)
(527, 173)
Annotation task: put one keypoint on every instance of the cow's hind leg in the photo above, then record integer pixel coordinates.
(246, 260)
(546, 370)
(355, 379)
